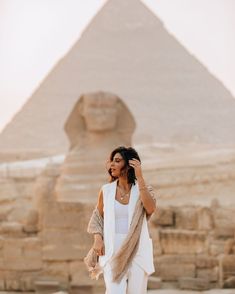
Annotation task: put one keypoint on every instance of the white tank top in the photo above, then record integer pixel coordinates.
(121, 218)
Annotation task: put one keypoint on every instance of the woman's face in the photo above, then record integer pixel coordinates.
(116, 165)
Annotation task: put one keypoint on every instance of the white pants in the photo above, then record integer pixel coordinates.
(134, 281)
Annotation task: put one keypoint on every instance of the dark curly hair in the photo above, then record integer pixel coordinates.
(127, 153)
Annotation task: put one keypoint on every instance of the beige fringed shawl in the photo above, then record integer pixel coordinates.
(123, 257)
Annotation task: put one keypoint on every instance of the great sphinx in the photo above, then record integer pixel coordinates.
(98, 123)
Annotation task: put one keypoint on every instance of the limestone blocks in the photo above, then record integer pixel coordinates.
(64, 226)
(183, 242)
(224, 219)
(21, 254)
(189, 242)
(227, 270)
(163, 217)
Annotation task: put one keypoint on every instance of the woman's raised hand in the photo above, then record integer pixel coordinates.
(136, 164)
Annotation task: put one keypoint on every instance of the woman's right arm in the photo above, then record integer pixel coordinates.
(98, 240)
(100, 203)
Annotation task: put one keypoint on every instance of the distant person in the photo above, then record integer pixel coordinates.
(122, 246)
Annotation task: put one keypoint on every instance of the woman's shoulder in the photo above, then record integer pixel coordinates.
(107, 185)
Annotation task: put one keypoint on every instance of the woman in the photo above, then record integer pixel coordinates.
(125, 248)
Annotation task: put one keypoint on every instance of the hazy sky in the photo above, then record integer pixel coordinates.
(34, 34)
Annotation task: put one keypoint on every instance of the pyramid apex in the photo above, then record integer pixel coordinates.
(125, 13)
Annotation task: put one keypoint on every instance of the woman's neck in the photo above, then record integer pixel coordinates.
(123, 183)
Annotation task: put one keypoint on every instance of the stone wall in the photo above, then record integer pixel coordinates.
(196, 243)
(46, 244)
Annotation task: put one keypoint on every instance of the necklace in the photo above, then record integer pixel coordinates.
(122, 196)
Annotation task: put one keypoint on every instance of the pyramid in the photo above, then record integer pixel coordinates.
(127, 50)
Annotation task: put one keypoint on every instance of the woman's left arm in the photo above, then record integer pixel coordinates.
(146, 192)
